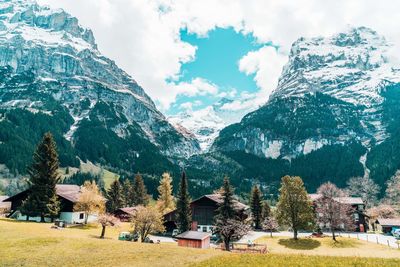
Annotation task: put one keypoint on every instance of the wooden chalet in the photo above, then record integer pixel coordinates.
(194, 239)
(125, 214)
(68, 196)
(359, 216)
(203, 212)
(387, 225)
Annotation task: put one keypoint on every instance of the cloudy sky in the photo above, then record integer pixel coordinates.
(188, 54)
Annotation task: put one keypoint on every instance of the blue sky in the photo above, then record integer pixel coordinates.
(216, 60)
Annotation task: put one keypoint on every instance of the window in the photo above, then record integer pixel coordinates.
(204, 228)
(356, 216)
(81, 216)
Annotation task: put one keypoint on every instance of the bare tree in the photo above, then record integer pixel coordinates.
(231, 229)
(392, 196)
(331, 210)
(147, 220)
(270, 224)
(107, 220)
(90, 200)
(365, 188)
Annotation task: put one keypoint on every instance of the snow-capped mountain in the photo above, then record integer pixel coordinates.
(335, 101)
(51, 64)
(206, 123)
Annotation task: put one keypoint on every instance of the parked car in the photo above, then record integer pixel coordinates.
(396, 232)
(126, 236)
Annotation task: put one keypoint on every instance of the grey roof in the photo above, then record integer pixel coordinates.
(193, 235)
(218, 199)
(389, 222)
(344, 200)
(70, 192)
(129, 210)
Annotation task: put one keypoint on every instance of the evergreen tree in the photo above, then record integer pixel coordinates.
(54, 207)
(256, 207)
(165, 200)
(114, 196)
(128, 195)
(266, 210)
(43, 177)
(140, 196)
(294, 206)
(183, 210)
(226, 210)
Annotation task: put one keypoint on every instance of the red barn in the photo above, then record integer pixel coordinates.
(194, 239)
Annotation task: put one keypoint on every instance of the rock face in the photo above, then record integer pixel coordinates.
(57, 61)
(332, 101)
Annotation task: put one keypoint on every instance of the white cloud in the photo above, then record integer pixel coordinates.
(146, 43)
(266, 63)
(196, 87)
(186, 106)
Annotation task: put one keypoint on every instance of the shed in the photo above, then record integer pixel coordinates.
(194, 239)
(388, 224)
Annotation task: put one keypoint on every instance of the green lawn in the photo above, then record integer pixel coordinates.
(35, 244)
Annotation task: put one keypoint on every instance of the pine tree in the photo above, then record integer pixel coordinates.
(183, 210)
(44, 176)
(114, 196)
(165, 200)
(294, 206)
(128, 195)
(226, 210)
(140, 196)
(256, 207)
(54, 207)
(266, 210)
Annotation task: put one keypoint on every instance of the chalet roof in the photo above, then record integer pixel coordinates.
(217, 198)
(67, 191)
(129, 210)
(70, 192)
(193, 235)
(344, 200)
(389, 222)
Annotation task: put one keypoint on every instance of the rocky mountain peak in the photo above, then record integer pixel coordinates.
(351, 66)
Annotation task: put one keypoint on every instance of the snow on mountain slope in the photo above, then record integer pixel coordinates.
(206, 123)
(60, 53)
(351, 66)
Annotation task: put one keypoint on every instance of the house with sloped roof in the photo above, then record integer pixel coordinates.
(359, 216)
(203, 212)
(386, 225)
(125, 214)
(68, 196)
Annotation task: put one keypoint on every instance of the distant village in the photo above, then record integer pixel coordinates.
(218, 217)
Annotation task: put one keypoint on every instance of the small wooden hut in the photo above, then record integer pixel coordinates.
(194, 239)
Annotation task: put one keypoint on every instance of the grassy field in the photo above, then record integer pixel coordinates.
(35, 244)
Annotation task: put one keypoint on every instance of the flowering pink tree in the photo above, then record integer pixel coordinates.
(107, 220)
(331, 210)
(270, 224)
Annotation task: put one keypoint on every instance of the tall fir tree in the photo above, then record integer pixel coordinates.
(114, 196)
(128, 195)
(226, 209)
(266, 210)
(256, 207)
(43, 177)
(165, 201)
(140, 196)
(183, 210)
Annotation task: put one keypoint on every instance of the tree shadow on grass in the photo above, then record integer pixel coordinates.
(300, 244)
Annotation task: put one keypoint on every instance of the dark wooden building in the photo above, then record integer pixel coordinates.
(125, 214)
(68, 196)
(203, 212)
(194, 239)
(359, 216)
